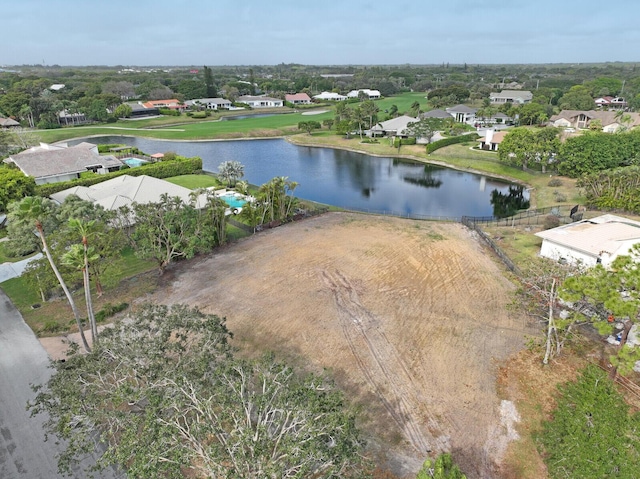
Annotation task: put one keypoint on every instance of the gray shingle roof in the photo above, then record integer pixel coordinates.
(50, 160)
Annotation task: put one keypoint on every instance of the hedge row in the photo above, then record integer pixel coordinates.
(403, 141)
(161, 169)
(452, 140)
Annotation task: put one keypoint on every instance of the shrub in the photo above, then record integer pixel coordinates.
(403, 141)
(551, 221)
(555, 182)
(109, 310)
(560, 197)
(436, 145)
(169, 112)
(51, 326)
(161, 169)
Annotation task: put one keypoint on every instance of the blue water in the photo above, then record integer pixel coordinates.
(233, 201)
(347, 179)
(133, 162)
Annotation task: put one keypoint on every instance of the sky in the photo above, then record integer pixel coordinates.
(313, 32)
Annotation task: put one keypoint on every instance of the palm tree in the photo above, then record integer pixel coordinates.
(32, 208)
(415, 109)
(79, 256)
(359, 118)
(370, 109)
(84, 229)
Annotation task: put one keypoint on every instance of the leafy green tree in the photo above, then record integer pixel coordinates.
(415, 109)
(328, 123)
(610, 293)
(14, 185)
(523, 146)
(426, 128)
(531, 114)
(358, 118)
(33, 210)
(309, 126)
(166, 231)
(577, 98)
(370, 110)
(123, 111)
(231, 171)
(166, 395)
(591, 433)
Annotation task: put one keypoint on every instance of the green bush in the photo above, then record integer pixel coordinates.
(436, 145)
(161, 169)
(169, 112)
(592, 433)
(559, 197)
(403, 141)
(109, 310)
(51, 326)
(555, 182)
(551, 221)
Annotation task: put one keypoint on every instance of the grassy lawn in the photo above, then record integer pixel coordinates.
(186, 128)
(194, 181)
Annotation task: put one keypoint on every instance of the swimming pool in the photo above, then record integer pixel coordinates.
(233, 201)
(133, 162)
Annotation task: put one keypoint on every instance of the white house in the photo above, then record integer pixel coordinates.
(260, 101)
(54, 163)
(518, 97)
(298, 99)
(598, 240)
(492, 140)
(329, 96)
(372, 94)
(393, 127)
(210, 103)
(463, 114)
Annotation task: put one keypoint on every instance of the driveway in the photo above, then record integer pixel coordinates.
(23, 450)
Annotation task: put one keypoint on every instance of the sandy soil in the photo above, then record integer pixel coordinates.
(409, 317)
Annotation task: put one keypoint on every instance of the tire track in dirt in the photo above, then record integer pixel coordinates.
(381, 365)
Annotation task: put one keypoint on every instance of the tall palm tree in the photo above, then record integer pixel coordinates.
(85, 229)
(78, 256)
(32, 208)
(370, 109)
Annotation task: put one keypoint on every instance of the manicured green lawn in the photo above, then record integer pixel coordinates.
(185, 128)
(194, 181)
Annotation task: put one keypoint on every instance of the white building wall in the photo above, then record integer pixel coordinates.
(557, 252)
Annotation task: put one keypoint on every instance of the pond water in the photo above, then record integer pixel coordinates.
(244, 117)
(351, 180)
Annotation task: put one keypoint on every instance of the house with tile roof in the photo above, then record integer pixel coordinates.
(125, 189)
(260, 101)
(492, 140)
(298, 99)
(54, 163)
(393, 127)
(589, 242)
(210, 103)
(463, 114)
(517, 97)
(171, 104)
(611, 121)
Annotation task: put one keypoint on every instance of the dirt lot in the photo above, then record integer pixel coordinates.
(409, 317)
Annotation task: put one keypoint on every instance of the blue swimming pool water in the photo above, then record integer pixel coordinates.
(133, 162)
(233, 201)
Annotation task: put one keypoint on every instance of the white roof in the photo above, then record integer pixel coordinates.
(604, 234)
(398, 124)
(325, 95)
(354, 93)
(124, 190)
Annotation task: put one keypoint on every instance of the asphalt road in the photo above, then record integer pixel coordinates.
(23, 450)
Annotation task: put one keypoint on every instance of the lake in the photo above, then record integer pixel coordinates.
(351, 180)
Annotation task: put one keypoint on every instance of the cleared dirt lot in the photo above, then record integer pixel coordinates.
(409, 317)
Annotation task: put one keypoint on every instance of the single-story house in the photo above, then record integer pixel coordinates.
(581, 119)
(330, 96)
(67, 118)
(589, 242)
(210, 103)
(393, 127)
(171, 104)
(463, 114)
(492, 140)
(139, 110)
(260, 101)
(124, 190)
(519, 97)
(441, 114)
(372, 94)
(54, 163)
(298, 99)
(8, 123)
